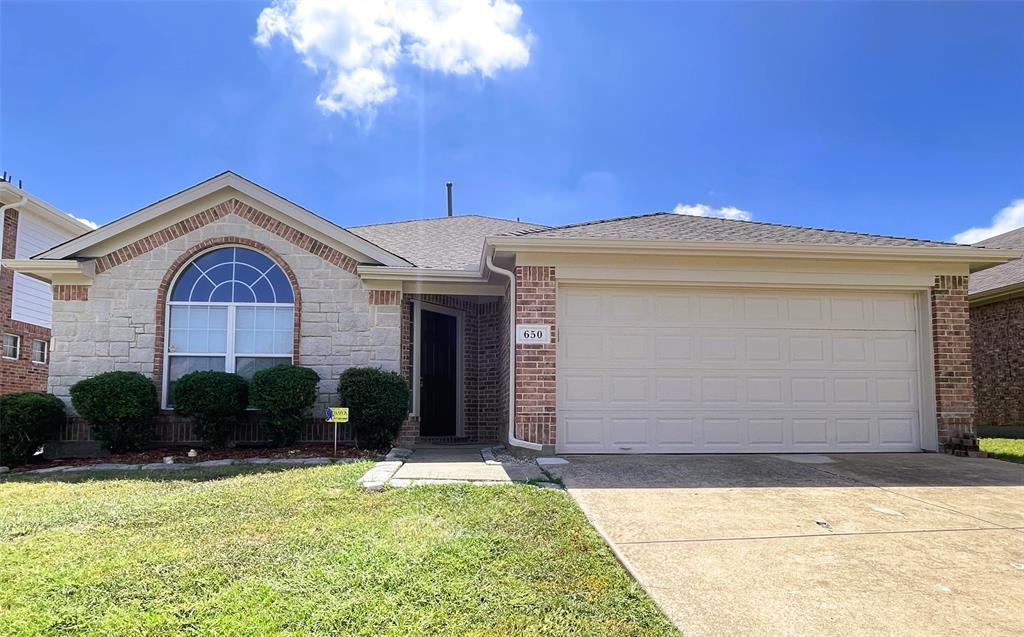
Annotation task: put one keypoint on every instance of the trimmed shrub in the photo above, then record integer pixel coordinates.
(285, 395)
(214, 401)
(378, 403)
(27, 420)
(118, 406)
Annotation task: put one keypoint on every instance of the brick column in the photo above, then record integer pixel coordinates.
(951, 339)
(536, 295)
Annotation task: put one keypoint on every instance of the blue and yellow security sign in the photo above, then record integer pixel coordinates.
(337, 414)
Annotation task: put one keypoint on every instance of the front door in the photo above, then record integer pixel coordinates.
(438, 374)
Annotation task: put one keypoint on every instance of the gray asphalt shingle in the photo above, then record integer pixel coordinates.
(1003, 275)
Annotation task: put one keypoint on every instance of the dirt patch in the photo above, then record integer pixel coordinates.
(180, 455)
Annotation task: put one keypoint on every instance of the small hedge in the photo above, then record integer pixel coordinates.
(27, 420)
(378, 403)
(285, 395)
(118, 406)
(214, 401)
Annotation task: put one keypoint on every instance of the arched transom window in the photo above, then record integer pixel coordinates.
(231, 309)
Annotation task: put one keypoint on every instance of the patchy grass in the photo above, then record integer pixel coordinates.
(1011, 449)
(246, 551)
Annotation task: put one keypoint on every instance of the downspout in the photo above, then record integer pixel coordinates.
(512, 440)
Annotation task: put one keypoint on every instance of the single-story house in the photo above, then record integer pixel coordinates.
(30, 226)
(996, 296)
(656, 333)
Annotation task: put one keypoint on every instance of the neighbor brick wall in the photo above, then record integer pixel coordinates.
(21, 374)
(536, 297)
(951, 339)
(997, 337)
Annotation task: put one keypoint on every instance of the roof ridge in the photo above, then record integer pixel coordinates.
(441, 218)
(747, 221)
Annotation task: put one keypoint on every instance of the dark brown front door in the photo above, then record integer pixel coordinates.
(438, 374)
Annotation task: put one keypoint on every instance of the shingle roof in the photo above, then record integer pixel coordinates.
(445, 243)
(1003, 275)
(667, 226)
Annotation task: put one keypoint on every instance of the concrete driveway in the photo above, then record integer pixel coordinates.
(872, 544)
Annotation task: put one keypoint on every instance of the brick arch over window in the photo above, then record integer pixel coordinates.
(186, 258)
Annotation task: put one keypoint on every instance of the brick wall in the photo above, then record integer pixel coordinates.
(536, 297)
(997, 336)
(21, 374)
(951, 339)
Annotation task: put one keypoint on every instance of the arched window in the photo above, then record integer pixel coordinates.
(231, 309)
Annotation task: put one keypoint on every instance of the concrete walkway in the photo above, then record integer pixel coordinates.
(858, 544)
(460, 464)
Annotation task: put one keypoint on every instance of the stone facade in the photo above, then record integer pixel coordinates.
(116, 326)
(951, 342)
(536, 300)
(19, 374)
(997, 336)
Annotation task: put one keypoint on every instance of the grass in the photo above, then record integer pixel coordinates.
(1011, 449)
(244, 551)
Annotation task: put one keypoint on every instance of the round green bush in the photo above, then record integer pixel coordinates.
(378, 403)
(27, 420)
(214, 401)
(285, 395)
(118, 406)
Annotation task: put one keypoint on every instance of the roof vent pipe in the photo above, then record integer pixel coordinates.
(448, 185)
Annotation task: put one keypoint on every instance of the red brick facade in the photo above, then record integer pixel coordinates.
(70, 292)
(951, 341)
(384, 297)
(997, 336)
(536, 298)
(210, 215)
(21, 374)
(182, 261)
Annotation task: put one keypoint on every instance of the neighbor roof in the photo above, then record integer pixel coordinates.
(667, 226)
(1004, 275)
(444, 243)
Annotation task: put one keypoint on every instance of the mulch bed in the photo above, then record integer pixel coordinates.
(180, 455)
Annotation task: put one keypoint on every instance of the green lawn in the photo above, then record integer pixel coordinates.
(238, 551)
(1005, 448)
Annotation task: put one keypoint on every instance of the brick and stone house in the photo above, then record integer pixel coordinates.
(654, 333)
(996, 296)
(30, 226)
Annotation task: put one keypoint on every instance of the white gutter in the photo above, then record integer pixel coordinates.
(17, 204)
(512, 440)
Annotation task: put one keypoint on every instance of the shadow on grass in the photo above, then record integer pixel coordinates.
(197, 474)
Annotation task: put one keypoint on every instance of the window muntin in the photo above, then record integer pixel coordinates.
(231, 309)
(40, 351)
(12, 346)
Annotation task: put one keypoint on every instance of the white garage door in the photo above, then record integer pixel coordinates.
(670, 370)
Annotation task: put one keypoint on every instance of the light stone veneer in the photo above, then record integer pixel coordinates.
(115, 329)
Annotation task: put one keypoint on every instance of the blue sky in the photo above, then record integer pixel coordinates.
(904, 119)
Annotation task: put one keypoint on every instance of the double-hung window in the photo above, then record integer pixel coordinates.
(232, 310)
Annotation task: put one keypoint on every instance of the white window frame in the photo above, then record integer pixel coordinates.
(460, 320)
(46, 351)
(17, 347)
(229, 355)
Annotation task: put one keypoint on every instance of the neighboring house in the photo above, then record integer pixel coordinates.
(655, 333)
(997, 330)
(30, 226)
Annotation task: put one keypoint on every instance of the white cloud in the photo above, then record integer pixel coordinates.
(357, 44)
(91, 224)
(1009, 218)
(704, 210)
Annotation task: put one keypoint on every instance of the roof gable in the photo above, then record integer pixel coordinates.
(226, 185)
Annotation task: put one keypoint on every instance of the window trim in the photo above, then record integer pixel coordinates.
(46, 352)
(17, 347)
(230, 355)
